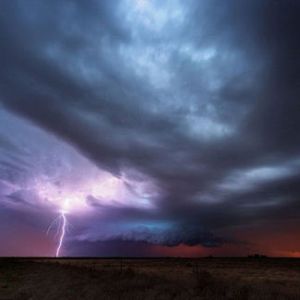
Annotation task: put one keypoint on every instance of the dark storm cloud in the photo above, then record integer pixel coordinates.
(202, 100)
(179, 235)
(111, 249)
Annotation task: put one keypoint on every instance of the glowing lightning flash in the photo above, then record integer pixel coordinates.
(74, 201)
(64, 210)
(63, 232)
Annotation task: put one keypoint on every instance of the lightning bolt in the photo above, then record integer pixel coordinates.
(61, 227)
(63, 232)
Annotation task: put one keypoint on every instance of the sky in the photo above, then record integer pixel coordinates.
(152, 128)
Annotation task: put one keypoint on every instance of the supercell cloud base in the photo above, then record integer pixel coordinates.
(157, 128)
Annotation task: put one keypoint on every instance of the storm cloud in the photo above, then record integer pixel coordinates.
(193, 105)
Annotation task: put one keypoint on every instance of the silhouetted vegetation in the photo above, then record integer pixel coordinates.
(256, 255)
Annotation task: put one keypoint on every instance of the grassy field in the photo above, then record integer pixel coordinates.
(206, 278)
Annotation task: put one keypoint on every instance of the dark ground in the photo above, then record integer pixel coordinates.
(205, 278)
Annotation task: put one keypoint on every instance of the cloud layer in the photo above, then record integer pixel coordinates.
(193, 105)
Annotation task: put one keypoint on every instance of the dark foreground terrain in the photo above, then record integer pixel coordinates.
(206, 278)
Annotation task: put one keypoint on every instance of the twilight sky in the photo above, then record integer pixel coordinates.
(157, 127)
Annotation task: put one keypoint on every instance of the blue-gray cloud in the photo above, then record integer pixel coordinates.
(199, 96)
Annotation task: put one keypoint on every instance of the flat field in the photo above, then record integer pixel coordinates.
(165, 278)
